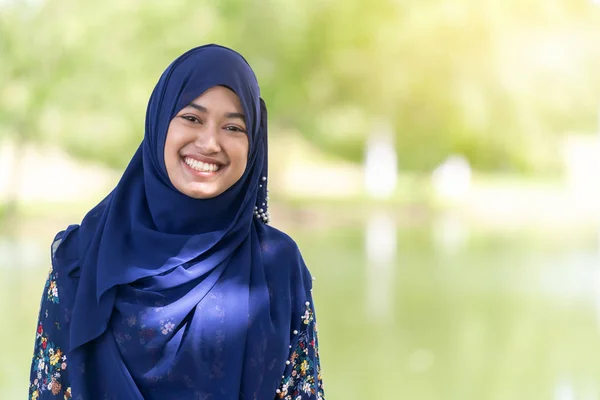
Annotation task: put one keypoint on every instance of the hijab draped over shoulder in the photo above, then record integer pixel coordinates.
(181, 298)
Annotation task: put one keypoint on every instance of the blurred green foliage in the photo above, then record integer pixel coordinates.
(496, 81)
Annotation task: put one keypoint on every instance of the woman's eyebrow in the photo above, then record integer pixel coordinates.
(230, 115)
(236, 115)
(198, 107)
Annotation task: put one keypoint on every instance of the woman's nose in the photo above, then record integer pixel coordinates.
(208, 140)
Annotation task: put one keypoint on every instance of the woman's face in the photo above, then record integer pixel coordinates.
(206, 150)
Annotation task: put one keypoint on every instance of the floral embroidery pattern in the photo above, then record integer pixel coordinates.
(51, 289)
(308, 316)
(303, 376)
(166, 327)
(49, 363)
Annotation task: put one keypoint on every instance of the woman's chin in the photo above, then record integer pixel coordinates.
(201, 193)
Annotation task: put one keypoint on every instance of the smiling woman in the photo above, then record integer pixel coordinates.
(174, 286)
(206, 150)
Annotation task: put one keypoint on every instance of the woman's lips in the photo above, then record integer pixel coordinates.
(200, 168)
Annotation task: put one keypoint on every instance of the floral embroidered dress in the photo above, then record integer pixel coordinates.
(49, 369)
(302, 377)
(49, 378)
(158, 295)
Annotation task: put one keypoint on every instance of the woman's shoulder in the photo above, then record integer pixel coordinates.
(278, 248)
(277, 241)
(65, 244)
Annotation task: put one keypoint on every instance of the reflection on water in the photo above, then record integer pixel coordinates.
(380, 248)
(420, 360)
(444, 311)
(450, 233)
(26, 254)
(597, 278)
(598, 241)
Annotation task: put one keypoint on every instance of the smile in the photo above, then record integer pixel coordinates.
(200, 166)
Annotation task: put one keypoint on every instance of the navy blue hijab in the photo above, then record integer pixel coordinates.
(179, 297)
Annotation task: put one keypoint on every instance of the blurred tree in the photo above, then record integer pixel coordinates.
(493, 80)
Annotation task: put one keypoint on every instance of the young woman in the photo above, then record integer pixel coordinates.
(174, 286)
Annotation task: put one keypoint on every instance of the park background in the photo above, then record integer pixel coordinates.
(437, 162)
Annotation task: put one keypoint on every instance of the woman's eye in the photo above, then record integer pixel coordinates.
(190, 118)
(234, 128)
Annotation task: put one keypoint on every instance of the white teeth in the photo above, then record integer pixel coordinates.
(201, 166)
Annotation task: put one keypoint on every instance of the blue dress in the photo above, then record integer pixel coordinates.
(51, 365)
(158, 295)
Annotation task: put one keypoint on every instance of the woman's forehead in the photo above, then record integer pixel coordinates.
(220, 91)
(219, 99)
(215, 96)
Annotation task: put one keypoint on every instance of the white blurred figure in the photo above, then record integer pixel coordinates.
(381, 162)
(563, 390)
(381, 177)
(451, 182)
(452, 179)
(581, 154)
(35, 3)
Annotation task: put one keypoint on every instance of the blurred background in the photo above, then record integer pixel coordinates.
(437, 162)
